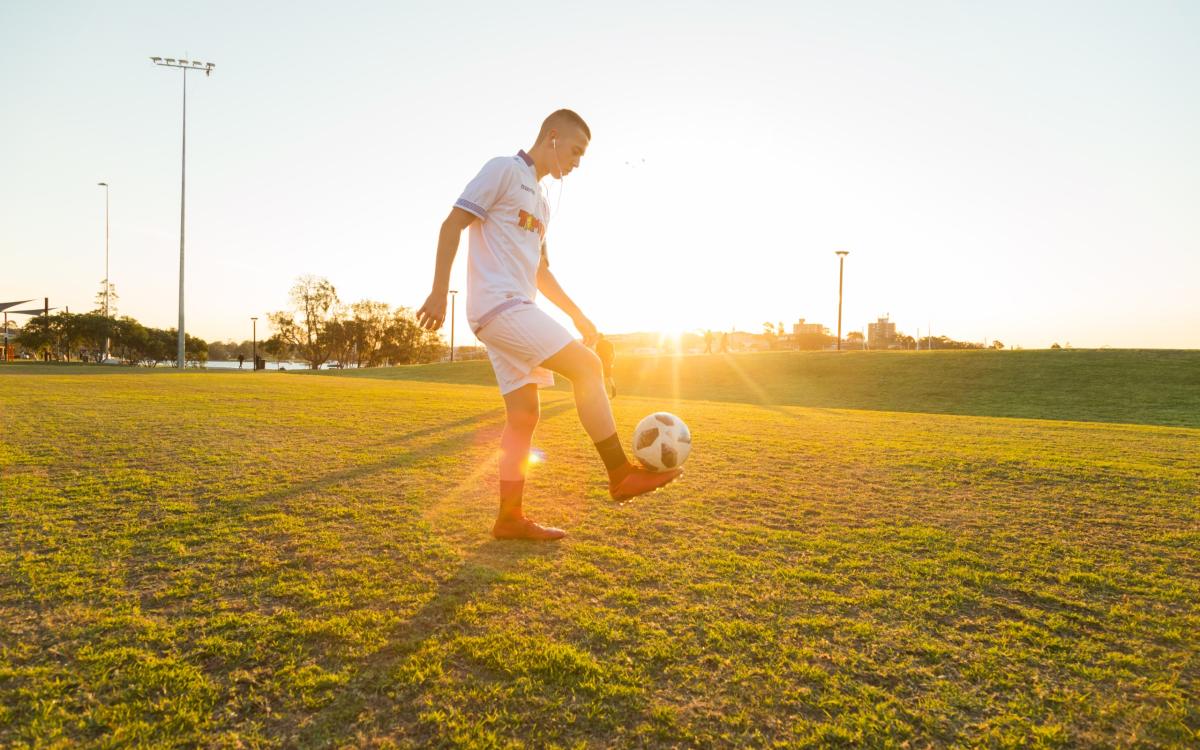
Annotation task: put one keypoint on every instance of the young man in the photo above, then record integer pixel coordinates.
(507, 212)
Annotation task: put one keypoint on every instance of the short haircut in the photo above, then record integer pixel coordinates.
(558, 119)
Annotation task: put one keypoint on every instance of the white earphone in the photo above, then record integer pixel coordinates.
(561, 178)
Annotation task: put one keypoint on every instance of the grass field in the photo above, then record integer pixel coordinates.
(1140, 387)
(865, 551)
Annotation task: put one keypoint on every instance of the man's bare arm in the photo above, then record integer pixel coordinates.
(553, 291)
(433, 313)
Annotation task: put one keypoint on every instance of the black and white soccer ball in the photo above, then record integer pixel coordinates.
(662, 441)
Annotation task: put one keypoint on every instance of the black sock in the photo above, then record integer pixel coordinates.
(612, 453)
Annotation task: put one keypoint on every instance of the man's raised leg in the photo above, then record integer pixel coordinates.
(582, 367)
(522, 409)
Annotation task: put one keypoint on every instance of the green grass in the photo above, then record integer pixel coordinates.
(264, 560)
(1139, 387)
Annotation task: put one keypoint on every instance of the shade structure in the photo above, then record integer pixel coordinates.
(5, 305)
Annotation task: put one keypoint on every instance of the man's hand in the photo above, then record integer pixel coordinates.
(587, 328)
(432, 314)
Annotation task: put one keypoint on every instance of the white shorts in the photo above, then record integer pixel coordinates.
(518, 341)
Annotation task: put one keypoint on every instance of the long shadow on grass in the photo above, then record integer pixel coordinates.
(359, 471)
(407, 457)
(373, 693)
(478, 417)
(145, 548)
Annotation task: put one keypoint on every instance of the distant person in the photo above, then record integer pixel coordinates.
(724, 342)
(506, 211)
(606, 353)
(241, 359)
(708, 339)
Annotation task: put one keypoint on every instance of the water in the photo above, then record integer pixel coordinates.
(233, 365)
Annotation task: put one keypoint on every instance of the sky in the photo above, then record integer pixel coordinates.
(1020, 171)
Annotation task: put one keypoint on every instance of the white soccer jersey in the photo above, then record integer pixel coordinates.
(505, 245)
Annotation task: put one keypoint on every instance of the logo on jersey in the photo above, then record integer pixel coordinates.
(530, 223)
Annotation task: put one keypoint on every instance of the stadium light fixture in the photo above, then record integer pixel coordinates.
(841, 270)
(184, 66)
(107, 341)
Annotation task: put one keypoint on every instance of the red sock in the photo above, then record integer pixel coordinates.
(510, 498)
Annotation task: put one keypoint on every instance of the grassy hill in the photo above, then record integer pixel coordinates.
(1138, 387)
(264, 560)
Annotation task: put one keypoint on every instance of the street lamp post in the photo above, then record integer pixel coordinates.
(254, 344)
(841, 270)
(185, 66)
(106, 315)
(453, 305)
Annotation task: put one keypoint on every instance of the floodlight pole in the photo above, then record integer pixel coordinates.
(106, 315)
(185, 66)
(841, 271)
(254, 344)
(453, 305)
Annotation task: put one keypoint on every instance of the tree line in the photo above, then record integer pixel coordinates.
(82, 336)
(319, 328)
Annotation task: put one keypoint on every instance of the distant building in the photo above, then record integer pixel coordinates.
(881, 334)
(742, 341)
(800, 327)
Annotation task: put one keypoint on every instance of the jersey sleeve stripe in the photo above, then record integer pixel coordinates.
(467, 205)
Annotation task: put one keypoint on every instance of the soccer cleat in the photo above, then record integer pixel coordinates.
(636, 480)
(524, 528)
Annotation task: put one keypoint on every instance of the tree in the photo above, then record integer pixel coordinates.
(406, 342)
(277, 348)
(315, 306)
(130, 340)
(770, 335)
(219, 350)
(112, 300)
(813, 341)
(36, 336)
(341, 335)
(66, 334)
(997, 344)
(371, 323)
(194, 349)
(91, 330)
(229, 350)
(162, 346)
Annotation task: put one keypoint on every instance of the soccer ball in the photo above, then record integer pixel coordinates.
(662, 441)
